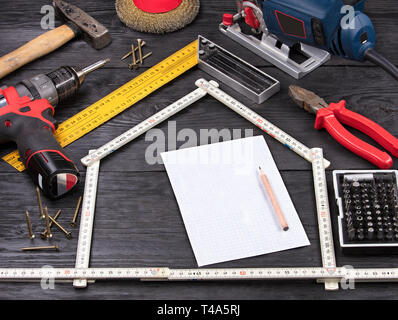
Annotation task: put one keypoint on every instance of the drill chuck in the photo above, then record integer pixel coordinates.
(58, 85)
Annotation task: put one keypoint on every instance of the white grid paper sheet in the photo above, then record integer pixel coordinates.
(225, 209)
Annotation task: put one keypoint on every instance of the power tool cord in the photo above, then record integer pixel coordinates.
(373, 56)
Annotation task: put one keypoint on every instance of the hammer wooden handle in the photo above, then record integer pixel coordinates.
(38, 47)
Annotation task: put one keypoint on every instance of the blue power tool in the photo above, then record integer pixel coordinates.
(298, 35)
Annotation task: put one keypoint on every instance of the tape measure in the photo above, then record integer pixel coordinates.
(120, 99)
(323, 214)
(87, 221)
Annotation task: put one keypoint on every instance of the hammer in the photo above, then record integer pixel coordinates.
(78, 23)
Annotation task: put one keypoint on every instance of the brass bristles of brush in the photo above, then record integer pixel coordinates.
(157, 16)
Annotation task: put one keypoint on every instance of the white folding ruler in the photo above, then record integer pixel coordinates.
(87, 221)
(323, 214)
(211, 88)
(257, 120)
(207, 274)
(144, 126)
(328, 274)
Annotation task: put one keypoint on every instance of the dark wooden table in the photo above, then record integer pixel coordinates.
(137, 219)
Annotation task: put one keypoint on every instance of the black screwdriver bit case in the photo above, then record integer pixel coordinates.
(368, 210)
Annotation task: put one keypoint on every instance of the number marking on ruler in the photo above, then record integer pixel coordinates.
(252, 274)
(87, 273)
(87, 221)
(120, 99)
(323, 214)
(144, 126)
(258, 121)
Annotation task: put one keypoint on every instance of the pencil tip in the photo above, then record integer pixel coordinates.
(285, 228)
(259, 167)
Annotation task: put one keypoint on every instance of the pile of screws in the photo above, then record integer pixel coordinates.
(50, 221)
(140, 61)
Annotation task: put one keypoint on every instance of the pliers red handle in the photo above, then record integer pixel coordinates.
(331, 117)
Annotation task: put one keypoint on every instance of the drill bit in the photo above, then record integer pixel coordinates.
(85, 71)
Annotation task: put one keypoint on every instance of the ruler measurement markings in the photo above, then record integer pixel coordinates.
(143, 126)
(75, 130)
(323, 215)
(87, 221)
(257, 120)
(225, 274)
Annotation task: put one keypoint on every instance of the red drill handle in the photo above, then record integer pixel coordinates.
(326, 119)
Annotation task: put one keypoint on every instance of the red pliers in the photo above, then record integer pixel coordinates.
(330, 117)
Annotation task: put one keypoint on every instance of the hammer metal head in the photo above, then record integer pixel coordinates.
(91, 30)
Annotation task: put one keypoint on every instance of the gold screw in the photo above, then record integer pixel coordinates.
(48, 233)
(131, 66)
(134, 65)
(40, 203)
(147, 55)
(73, 223)
(67, 233)
(28, 222)
(139, 41)
(130, 52)
(43, 235)
(55, 247)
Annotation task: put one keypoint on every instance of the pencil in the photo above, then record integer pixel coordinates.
(274, 201)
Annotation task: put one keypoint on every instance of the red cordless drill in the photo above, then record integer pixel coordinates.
(27, 118)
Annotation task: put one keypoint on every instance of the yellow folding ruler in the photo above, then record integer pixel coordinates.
(120, 99)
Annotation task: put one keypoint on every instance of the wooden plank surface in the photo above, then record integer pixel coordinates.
(137, 219)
